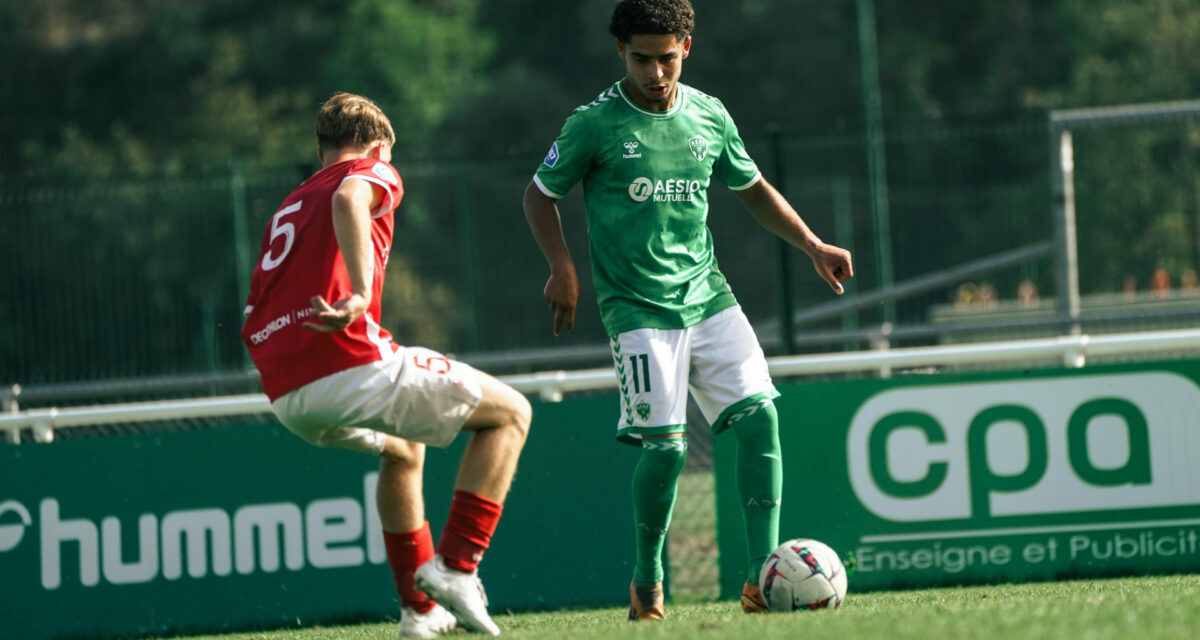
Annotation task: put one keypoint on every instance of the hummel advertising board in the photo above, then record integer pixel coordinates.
(249, 527)
(1017, 476)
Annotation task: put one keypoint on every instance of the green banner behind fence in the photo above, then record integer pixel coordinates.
(1016, 476)
(244, 527)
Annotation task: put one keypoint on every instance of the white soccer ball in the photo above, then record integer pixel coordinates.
(802, 574)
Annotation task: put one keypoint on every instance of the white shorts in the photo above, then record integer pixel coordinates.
(719, 360)
(419, 395)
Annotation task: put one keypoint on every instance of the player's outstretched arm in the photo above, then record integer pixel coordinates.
(773, 212)
(352, 204)
(562, 289)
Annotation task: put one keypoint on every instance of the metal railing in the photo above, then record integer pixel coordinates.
(1072, 351)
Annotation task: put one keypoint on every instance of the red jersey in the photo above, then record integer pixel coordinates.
(300, 259)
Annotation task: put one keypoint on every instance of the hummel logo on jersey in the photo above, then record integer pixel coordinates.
(631, 150)
(642, 189)
(699, 148)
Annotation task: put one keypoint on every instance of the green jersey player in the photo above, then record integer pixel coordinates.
(646, 151)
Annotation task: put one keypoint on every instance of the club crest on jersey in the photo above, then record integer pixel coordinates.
(631, 150)
(699, 147)
(551, 156)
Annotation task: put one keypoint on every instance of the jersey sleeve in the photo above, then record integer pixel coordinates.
(384, 176)
(734, 167)
(569, 159)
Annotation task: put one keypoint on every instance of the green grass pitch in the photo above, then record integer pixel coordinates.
(1146, 608)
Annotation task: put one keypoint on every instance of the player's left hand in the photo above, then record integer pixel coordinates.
(335, 317)
(834, 266)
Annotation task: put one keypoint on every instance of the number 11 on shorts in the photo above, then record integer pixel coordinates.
(640, 381)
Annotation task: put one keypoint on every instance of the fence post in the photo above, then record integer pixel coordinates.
(882, 341)
(9, 405)
(843, 235)
(1066, 254)
(466, 247)
(787, 331)
(876, 154)
(241, 247)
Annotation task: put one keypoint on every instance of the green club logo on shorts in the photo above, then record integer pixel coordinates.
(643, 410)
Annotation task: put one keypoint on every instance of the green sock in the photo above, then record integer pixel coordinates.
(654, 482)
(760, 483)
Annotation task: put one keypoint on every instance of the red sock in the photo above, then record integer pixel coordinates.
(405, 552)
(468, 530)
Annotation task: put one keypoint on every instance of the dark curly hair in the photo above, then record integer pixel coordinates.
(631, 17)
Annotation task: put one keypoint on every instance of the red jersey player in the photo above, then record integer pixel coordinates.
(336, 378)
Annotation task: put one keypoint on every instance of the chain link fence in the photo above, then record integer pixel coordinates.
(127, 276)
(111, 283)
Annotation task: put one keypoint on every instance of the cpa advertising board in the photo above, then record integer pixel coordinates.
(1025, 475)
(247, 526)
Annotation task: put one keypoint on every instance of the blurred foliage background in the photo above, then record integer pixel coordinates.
(147, 142)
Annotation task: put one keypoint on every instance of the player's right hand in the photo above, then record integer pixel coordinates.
(834, 265)
(562, 293)
(335, 317)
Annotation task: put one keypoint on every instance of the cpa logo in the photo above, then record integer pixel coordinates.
(641, 189)
(982, 450)
(11, 534)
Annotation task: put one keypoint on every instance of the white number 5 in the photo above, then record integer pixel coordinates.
(287, 230)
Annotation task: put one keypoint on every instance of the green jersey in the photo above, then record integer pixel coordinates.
(645, 182)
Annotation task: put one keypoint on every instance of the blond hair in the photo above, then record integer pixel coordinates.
(347, 119)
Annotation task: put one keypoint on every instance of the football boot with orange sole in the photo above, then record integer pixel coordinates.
(752, 599)
(646, 601)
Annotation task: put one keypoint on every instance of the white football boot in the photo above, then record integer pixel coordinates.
(430, 624)
(461, 593)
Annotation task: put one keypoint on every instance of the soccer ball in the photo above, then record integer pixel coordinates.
(802, 574)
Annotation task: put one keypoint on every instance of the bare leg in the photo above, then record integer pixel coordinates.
(500, 424)
(405, 532)
(398, 495)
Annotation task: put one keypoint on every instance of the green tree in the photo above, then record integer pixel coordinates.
(118, 188)
(1137, 187)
